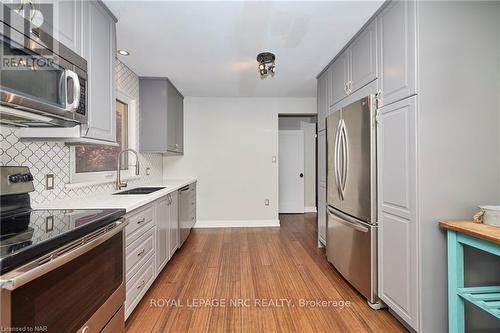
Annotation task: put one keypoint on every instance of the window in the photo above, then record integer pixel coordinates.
(95, 163)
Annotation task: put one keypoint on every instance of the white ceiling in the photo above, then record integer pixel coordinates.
(209, 48)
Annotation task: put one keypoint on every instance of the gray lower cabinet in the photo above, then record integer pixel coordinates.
(174, 223)
(397, 215)
(99, 48)
(322, 187)
(396, 50)
(322, 220)
(140, 253)
(151, 239)
(167, 227)
(162, 116)
(162, 217)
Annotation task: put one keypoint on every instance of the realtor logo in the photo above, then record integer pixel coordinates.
(34, 50)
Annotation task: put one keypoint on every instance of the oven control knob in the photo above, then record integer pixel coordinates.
(25, 178)
(15, 178)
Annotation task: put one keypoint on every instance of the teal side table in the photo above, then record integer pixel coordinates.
(482, 237)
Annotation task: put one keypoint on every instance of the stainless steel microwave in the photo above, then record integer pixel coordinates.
(42, 82)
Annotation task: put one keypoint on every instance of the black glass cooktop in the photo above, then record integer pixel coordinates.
(27, 235)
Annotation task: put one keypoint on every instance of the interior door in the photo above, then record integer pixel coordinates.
(291, 171)
(356, 145)
(332, 126)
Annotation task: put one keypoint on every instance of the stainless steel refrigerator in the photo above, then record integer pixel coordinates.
(351, 243)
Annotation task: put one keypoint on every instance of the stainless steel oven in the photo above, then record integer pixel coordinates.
(75, 288)
(42, 82)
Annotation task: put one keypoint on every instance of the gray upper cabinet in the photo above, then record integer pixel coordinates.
(175, 106)
(363, 58)
(322, 100)
(356, 66)
(338, 78)
(161, 124)
(63, 21)
(99, 48)
(68, 26)
(396, 51)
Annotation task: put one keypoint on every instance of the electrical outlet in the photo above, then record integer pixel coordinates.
(266, 202)
(49, 181)
(148, 171)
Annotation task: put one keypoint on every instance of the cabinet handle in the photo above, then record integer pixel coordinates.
(141, 221)
(345, 88)
(141, 285)
(141, 253)
(349, 87)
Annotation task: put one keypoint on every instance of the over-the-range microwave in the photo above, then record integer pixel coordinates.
(42, 82)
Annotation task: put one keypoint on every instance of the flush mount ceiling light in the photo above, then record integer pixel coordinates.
(123, 52)
(266, 64)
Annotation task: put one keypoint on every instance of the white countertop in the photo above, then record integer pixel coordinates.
(129, 202)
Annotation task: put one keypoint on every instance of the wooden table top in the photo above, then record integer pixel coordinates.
(483, 231)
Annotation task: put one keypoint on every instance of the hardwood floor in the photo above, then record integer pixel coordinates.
(271, 271)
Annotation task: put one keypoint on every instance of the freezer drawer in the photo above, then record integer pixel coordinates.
(351, 248)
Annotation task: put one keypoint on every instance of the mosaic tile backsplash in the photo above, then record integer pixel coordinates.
(54, 157)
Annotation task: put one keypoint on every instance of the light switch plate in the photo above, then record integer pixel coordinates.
(49, 181)
(148, 171)
(273, 159)
(266, 202)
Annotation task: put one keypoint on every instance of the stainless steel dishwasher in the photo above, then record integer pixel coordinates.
(187, 211)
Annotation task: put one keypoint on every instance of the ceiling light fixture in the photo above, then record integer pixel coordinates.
(266, 64)
(123, 52)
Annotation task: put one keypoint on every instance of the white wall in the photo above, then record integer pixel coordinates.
(297, 106)
(228, 146)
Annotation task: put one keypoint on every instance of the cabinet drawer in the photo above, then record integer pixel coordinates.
(141, 220)
(138, 285)
(138, 252)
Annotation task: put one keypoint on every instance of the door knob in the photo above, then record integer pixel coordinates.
(301, 175)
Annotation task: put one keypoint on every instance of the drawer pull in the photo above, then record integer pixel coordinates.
(142, 284)
(141, 253)
(141, 221)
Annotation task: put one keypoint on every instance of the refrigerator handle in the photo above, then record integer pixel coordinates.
(345, 160)
(354, 225)
(336, 159)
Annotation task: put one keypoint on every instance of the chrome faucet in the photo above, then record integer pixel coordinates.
(119, 183)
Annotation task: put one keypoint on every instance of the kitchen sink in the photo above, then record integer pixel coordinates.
(140, 190)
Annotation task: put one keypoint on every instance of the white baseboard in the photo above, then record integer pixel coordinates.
(310, 210)
(236, 223)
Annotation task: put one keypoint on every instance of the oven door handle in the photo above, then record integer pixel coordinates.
(59, 257)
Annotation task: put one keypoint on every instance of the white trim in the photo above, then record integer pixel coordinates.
(310, 209)
(105, 177)
(236, 223)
